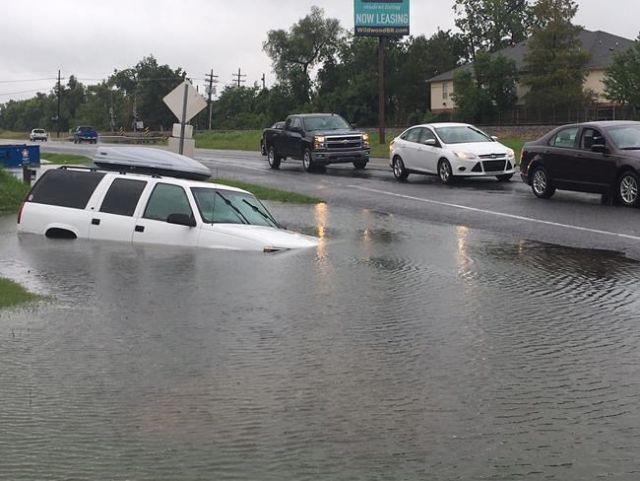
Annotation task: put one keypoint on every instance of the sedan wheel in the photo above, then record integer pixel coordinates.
(399, 170)
(444, 172)
(541, 185)
(628, 189)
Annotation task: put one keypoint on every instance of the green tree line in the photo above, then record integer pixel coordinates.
(320, 66)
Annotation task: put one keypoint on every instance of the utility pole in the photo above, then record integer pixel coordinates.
(239, 78)
(58, 115)
(264, 84)
(381, 93)
(211, 79)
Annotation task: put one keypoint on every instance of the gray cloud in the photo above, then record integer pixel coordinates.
(90, 39)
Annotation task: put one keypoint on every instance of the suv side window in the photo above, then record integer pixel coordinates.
(566, 138)
(590, 137)
(65, 188)
(122, 197)
(167, 199)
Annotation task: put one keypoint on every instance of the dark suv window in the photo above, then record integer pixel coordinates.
(65, 188)
(123, 196)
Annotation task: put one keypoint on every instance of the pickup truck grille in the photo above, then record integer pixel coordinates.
(344, 142)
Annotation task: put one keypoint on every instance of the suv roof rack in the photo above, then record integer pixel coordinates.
(78, 167)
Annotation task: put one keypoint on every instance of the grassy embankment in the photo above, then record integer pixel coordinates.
(12, 294)
(267, 193)
(12, 193)
(64, 159)
(250, 140)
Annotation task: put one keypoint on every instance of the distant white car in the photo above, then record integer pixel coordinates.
(137, 208)
(450, 150)
(38, 134)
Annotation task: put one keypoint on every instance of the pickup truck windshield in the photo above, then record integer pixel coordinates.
(325, 122)
(230, 207)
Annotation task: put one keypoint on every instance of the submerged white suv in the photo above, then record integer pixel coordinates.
(88, 203)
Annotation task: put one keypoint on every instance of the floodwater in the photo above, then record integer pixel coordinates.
(395, 351)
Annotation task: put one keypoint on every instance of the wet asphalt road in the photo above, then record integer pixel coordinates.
(509, 209)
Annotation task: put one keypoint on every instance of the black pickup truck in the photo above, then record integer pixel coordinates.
(317, 140)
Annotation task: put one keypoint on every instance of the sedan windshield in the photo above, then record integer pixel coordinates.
(626, 137)
(230, 207)
(462, 134)
(325, 122)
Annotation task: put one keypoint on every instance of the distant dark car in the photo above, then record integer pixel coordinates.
(599, 157)
(85, 133)
(267, 134)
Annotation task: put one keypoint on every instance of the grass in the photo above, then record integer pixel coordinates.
(12, 294)
(12, 192)
(229, 140)
(64, 159)
(7, 134)
(267, 193)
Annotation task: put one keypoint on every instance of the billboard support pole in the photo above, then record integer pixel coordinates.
(381, 93)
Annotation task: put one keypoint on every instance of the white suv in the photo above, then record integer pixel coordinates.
(87, 203)
(38, 134)
(450, 150)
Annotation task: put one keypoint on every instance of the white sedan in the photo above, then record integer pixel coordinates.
(450, 150)
(38, 134)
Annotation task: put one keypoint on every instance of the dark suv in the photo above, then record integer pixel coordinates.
(85, 133)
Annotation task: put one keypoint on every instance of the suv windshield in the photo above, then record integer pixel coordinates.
(230, 207)
(626, 137)
(461, 135)
(325, 122)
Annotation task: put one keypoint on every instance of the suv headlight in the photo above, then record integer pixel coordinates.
(466, 155)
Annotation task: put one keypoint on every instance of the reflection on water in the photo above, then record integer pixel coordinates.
(394, 351)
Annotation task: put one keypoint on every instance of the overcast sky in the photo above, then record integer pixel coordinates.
(92, 38)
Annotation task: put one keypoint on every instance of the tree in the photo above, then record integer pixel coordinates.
(486, 90)
(555, 62)
(491, 25)
(622, 81)
(308, 42)
(144, 86)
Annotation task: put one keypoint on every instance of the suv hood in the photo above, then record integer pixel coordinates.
(256, 237)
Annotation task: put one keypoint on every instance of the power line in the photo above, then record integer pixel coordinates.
(20, 92)
(27, 80)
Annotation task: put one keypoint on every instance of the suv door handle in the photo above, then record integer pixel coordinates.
(139, 228)
(95, 221)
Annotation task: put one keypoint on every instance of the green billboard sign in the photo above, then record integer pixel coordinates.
(380, 18)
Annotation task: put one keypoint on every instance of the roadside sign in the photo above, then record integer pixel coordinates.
(381, 18)
(176, 98)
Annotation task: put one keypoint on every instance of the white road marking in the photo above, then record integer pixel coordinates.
(498, 214)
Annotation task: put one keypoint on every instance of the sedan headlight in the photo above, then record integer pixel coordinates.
(466, 155)
(511, 155)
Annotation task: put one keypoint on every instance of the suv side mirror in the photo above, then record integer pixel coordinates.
(600, 148)
(181, 219)
(494, 138)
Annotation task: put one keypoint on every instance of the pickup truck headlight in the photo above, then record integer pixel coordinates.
(466, 155)
(365, 139)
(319, 142)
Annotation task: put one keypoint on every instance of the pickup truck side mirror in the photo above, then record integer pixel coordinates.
(181, 219)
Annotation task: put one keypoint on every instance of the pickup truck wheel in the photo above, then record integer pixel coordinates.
(307, 162)
(360, 164)
(273, 158)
